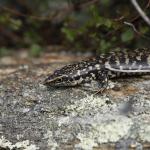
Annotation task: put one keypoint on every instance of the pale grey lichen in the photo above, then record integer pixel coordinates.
(89, 104)
(86, 143)
(25, 145)
(52, 144)
(144, 132)
(111, 84)
(112, 129)
(63, 120)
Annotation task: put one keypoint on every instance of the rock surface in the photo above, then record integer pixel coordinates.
(33, 116)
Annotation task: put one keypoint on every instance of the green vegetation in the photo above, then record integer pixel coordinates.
(79, 25)
(4, 51)
(35, 50)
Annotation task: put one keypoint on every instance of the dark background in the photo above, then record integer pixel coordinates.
(78, 25)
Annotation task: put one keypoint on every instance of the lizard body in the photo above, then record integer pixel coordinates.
(96, 71)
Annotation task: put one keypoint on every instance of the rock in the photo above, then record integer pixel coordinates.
(36, 117)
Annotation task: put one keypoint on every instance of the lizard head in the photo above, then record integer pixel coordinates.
(72, 75)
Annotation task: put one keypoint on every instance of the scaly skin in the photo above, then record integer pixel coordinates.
(95, 72)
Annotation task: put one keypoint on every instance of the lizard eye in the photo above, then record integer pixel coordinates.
(59, 80)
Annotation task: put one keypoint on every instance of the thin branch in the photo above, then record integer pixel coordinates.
(148, 4)
(131, 25)
(135, 30)
(141, 12)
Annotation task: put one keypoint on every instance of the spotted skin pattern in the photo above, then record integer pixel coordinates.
(96, 72)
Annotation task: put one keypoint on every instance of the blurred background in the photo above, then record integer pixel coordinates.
(71, 25)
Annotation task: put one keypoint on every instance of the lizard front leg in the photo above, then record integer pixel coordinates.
(97, 85)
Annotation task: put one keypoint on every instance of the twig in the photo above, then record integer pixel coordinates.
(131, 25)
(141, 12)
